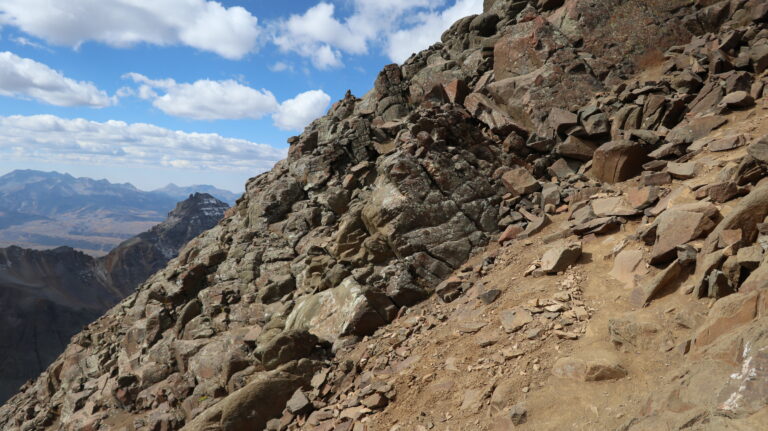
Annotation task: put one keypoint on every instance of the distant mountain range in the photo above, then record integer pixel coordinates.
(180, 193)
(47, 296)
(44, 210)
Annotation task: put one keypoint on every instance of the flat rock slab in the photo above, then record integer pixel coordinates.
(644, 197)
(727, 144)
(627, 266)
(597, 226)
(613, 206)
(682, 171)
(695, 129)
(515, 319)
(677, 227)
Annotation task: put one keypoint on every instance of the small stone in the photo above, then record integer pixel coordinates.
(489, 296)
(566, 335)
(510, 233)
(471, 327)
(518, 414)
(375, 401)
(534, 333)
(450, 289)
(299, 404)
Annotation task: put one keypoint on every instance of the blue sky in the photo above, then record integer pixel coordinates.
(189, 91)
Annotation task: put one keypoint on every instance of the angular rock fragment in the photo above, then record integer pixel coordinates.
(662, 283)
(677, 227)
(618, 161)
(515, 319)
(738, 100)
(613, 206)
(598, 226)
(450, 289)
(759, 150)
(695, 129)
(627, 266)
(520, 182)
(641, 198)
(594, 366)
(286, 347)
(559, 258)
(577, 149)
(727, 144)
(682, 171)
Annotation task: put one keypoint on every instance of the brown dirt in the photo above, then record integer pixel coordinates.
(436, 363)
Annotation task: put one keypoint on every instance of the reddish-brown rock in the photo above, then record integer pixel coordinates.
(456, 91)
(520, 182)
(617, 161)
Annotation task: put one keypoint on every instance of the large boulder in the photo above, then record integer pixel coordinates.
(288, 346)
(617, 161)
(251, 407)
(343, 310)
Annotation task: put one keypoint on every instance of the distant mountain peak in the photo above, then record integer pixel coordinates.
(182, 192)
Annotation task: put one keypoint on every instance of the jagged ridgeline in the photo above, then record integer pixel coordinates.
(376, 204)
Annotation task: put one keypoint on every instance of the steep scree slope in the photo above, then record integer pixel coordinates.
(387, 195)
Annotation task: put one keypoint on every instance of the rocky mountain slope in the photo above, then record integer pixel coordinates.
(49, 296)
(43, 210)
(599, 142)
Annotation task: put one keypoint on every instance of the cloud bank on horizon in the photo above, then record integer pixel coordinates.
(191, 67)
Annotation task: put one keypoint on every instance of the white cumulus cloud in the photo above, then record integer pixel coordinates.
(29, 79)
(296, 113)
(398, 26)
(206, 99)
(428, 29)
(47, 138)
(231, 32)
(228, 100)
